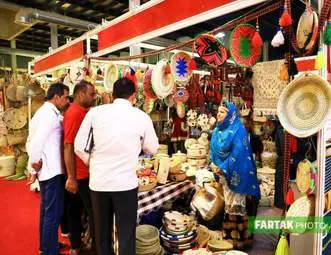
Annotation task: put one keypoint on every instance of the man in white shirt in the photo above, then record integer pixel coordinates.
(120, 132)
(44, 146)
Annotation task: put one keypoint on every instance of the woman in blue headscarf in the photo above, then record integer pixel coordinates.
(231, 152)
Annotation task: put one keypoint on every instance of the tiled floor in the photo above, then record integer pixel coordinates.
(265, 243)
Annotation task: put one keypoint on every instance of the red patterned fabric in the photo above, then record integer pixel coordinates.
(196, 96)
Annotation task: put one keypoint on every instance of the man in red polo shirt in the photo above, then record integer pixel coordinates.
(77, 183)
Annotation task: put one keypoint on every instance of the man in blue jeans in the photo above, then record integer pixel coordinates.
(44, 146)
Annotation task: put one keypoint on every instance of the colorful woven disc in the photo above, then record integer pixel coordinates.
(211, 50)
(241, 49)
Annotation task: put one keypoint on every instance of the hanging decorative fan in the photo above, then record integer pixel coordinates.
(211, 50)
(241, 48)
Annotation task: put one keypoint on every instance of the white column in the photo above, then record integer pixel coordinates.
(54, 38)
(13, 56)
(134, 50)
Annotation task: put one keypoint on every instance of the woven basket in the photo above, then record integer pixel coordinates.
(269, 145)
(3, 141)
(17, 137)
(147, 187)
(269, 159)
(304, 105)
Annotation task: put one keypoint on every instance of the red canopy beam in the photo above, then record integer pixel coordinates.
(164, 17)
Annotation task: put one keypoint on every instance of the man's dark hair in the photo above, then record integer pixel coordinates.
(56, 89)
(124, 88)
(81, 86)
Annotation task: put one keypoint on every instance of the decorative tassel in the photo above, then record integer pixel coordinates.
(286, 19)
(167, 70)
(293, 69)
(133, 72)
(282, 247)
(131, 75)
(278, 39)
(320, 60)
(294, 144)
(192, 65)
(256, 39)
(289, 197)
(283, 73)
(327, 34)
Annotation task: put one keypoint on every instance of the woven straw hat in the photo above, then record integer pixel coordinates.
(304, 105)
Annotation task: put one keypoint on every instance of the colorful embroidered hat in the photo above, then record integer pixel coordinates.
(211, 50)
(241, 48)
(180, 66)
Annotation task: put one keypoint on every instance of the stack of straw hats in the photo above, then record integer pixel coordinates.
(148, 241)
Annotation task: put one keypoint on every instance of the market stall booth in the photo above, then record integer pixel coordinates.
(284, 105)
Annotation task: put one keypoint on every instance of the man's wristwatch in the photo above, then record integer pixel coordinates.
(33, 172)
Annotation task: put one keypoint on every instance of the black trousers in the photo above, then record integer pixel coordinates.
(124, 204)
(76, 203)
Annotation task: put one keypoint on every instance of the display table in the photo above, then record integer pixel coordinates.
(157, 197)
(154, 199)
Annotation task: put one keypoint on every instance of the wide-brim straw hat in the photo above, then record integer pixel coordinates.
(163, 82)
(112, 74)
(180, 66)
(304, 105)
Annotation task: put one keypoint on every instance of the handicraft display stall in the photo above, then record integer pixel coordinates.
(282, 104)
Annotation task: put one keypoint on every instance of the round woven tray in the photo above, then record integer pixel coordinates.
(15, 118)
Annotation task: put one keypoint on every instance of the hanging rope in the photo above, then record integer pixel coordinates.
(252, 15)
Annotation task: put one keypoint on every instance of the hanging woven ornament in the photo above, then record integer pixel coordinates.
(256, 39)
(241, 48)
(327, 33)
(320, 60)
(278, 39)
(286, 19)
(307, 29)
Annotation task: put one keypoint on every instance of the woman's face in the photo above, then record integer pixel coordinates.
(221, 114)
